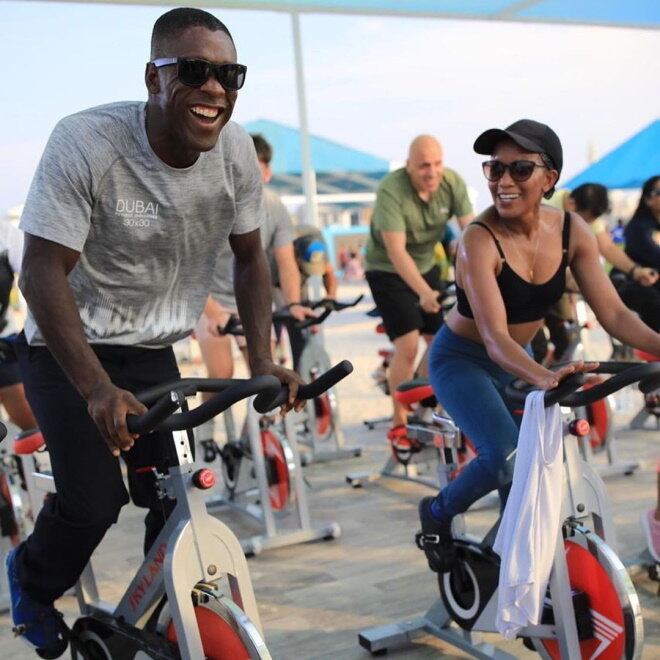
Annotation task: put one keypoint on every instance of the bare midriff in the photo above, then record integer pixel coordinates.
(521, 333)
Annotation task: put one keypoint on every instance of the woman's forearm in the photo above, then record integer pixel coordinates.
(514, 359)
(628, 328)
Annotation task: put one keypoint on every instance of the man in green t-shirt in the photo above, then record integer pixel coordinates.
(413, 205)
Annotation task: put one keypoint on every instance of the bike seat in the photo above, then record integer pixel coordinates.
(28, 442)
(418, 390)
(647, 357)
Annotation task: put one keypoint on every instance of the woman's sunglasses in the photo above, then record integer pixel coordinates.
(194, 72)
(520, 170)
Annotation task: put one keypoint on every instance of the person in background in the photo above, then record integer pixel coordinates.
(354, 270)
(413, 206)
(12, 392)
(637, 284)
(311, 256)
(276, 235)
(642, 233)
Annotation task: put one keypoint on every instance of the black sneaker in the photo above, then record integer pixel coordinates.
(435, 539)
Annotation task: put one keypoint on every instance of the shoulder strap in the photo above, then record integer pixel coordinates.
(566, 233)
(490, 231)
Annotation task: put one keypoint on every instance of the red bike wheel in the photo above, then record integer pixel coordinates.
(277, 469)
(219, 639)
(323, 413)
(587, 575)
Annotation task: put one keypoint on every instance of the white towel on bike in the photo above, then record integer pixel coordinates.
(527, 535)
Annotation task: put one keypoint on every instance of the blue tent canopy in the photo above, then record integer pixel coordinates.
(627, 166)
(327, 156)
(339, 169)
(630, 13)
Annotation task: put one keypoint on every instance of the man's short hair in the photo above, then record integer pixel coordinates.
(591, 197)
(173, 22)
(262, 147)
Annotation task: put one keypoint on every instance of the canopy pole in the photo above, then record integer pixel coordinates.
(309, 176)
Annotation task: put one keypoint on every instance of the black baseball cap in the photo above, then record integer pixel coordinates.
(528, 134)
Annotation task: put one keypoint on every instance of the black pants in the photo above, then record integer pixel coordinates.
(645, 300)
(90, 488)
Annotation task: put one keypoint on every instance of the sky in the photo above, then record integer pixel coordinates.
(372, 83)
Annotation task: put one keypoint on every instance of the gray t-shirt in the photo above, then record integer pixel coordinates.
(148, 233)
(276, 231)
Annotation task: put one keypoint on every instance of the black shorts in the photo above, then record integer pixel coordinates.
(9, 372)
(399, 305)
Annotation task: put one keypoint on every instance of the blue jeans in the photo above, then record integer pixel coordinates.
(470, 387)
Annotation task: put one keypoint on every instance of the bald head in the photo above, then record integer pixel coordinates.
(424, 165)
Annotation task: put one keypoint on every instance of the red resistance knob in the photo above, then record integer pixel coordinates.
(204, 479)
(579, 428)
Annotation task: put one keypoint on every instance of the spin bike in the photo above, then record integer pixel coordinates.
(381, 375)
(318, 427)
(263, 477)
(591, 608)
(599, 414)
(176, 605)
(415, 458)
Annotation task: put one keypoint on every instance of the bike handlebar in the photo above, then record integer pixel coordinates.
(235, 327)
(160, 416)
(333, 304)
(265, 402)
(270, 393)
(567, 394)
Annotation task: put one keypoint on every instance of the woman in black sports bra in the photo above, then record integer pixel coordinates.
(511, 268)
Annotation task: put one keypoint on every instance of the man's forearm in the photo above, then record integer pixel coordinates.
(407, 269)
(330, 282)
(54, 309)
(289, 277)
(252, 287)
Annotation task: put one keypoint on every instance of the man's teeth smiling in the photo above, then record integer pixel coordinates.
(507, 197)
(205, 111)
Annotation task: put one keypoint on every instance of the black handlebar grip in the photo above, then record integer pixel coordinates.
(625, 373)
(311, 391)
(208, 410)
(154, 416)
(650, 384)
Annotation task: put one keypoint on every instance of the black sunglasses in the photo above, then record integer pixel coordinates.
(195, 72)
(520, 170)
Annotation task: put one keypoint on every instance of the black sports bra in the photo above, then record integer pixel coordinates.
(524, 301)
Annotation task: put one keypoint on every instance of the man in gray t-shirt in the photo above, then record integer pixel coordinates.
(128, 210)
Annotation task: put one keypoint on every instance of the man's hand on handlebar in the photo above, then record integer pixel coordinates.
(429, 302)
(108, 406)
(553, 378)
(300, 312)
(286, 377)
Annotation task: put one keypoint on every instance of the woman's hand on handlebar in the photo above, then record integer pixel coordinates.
(645, 276)
(108, 406)
(286, 377)
(553, 378)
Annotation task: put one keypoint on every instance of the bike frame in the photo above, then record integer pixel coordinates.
(191, 548)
